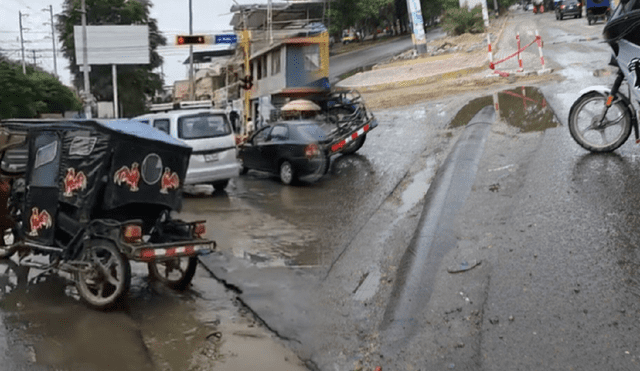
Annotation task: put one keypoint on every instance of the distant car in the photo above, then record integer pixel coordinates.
(294, 150)
(567, 8)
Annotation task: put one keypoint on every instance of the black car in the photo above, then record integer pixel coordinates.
(567, 8)
(295, 150)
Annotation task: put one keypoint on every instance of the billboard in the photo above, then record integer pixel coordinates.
(113, 44)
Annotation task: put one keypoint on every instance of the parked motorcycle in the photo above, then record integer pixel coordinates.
(602, 118)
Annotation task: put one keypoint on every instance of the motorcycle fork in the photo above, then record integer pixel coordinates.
(612, 94)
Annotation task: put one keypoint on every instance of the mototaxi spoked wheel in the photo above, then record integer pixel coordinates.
(108, 279)
(594, 132)
(175, 273)
(355, 145)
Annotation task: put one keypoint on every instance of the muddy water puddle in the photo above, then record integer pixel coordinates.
(524, 107)
(157, 328)
(263, 238)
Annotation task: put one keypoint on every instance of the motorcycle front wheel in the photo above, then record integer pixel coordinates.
(108, 279)
(595, 133)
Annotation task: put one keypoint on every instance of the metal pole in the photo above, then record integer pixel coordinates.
(85, 61)
(114, 76)
(24, 67)
(270, 20)
(34, 57)
(191, 82)
(53, 42)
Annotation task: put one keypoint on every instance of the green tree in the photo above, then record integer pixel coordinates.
(135, 82)
(368, 14)
(37, 92)
(462, 20)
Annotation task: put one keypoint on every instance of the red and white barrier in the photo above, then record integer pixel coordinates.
(519, 51)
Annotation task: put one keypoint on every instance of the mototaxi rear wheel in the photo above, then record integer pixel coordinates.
(596, 134)
(108, 278)
(175, 273)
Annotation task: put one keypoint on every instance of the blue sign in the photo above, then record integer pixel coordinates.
(226, 39)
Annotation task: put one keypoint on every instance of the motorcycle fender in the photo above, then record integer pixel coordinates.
(604, 90)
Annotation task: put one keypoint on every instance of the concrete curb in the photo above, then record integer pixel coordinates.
(420, 81)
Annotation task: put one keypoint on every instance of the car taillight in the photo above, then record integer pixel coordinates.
(199, 230)
(132, 233)
(311, 150)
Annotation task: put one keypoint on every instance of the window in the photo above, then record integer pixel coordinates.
(264, 65)
(275, 62)
(261, 136)
(162, 125)
(203, 126)
(311, 57)
(279, 132)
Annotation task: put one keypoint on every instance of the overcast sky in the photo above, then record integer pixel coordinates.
(209, 17)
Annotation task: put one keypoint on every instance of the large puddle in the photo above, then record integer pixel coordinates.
(203, 328)
(524, 108)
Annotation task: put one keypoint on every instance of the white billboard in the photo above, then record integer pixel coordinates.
(113, 44)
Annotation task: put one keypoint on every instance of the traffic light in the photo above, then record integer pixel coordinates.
(191, 40)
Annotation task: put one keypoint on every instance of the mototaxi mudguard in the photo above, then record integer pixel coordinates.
(605, 91)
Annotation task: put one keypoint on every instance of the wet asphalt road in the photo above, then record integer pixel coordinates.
(553, 227)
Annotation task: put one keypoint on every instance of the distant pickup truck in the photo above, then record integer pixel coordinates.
(349, 37)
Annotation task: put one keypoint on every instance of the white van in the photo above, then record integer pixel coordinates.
(208, 131)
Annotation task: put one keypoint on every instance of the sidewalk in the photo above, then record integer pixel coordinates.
(451, 65)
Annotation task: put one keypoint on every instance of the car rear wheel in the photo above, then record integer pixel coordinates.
(287, 175)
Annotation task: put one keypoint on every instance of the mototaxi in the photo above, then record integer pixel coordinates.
(93, 195)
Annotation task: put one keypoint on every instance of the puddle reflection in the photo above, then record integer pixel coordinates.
(525, 108)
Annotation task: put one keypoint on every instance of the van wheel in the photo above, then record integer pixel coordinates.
(221, 185)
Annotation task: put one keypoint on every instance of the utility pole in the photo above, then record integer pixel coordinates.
(24, 66)
(417, 25)
(192, 86)
(85, 62)
(53, 42)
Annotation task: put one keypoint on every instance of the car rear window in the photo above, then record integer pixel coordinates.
(203, 126)
(308, 132)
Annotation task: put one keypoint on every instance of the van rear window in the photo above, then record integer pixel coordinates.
(203, 126)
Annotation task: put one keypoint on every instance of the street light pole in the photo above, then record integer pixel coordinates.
(191, 82)
(85, 62)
